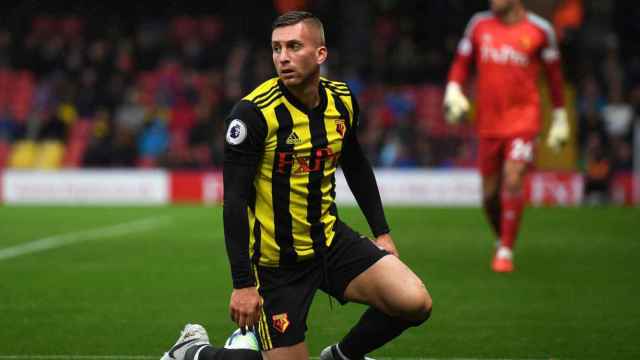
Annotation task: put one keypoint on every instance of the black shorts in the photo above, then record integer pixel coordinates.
(288, 292)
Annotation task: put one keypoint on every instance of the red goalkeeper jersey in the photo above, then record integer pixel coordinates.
(508, 58)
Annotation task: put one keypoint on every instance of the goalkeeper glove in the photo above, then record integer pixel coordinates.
(559, 131)
(456, 104)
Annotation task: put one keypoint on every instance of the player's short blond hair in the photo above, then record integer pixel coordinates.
(294, 17)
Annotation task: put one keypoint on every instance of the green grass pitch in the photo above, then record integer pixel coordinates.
(575, 294)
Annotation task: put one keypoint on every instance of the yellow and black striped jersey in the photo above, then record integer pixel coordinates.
(291, 153)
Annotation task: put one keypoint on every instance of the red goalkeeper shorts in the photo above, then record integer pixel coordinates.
(494, 152)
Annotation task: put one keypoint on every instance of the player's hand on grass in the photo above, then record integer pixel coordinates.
(455, 104)
(386, 242)
(559, 131)
(244, 307)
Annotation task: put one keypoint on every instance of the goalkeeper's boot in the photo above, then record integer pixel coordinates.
(503, 260)
(333, 353)
(193, 336)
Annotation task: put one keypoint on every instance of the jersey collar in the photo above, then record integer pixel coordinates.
(299, 105)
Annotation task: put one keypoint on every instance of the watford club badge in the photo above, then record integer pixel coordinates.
(340, 128)
(280, 322)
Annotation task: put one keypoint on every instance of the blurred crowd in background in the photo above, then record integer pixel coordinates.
(92, 86)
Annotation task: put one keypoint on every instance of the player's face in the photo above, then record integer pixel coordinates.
(500, 7)
(297, 53)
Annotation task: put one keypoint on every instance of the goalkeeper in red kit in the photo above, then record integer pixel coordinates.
(508, 45)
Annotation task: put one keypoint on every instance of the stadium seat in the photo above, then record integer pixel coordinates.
(21, 94)
(78, 141)
(147, 162)
(49, 155)
(5, 87)
(148, 84)
(201, 154)
(23, 154)
(211, 28)
(5, 150)
(43, 25)
(179, 146)
(72, 27)
(182, 116)
(183, 28)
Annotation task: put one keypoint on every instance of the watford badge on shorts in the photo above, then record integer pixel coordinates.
(280, 322)
(340, 127)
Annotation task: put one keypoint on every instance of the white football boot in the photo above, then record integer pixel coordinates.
(333, 352)
(191, 335)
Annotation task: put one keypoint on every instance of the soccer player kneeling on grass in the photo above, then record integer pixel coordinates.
(284, 238)
(508, 46)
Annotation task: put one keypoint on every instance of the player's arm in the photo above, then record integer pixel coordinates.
(455, 104)
(559, 131)
(362, 182)
(244, 141)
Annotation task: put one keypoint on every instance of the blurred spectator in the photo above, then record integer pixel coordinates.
(87, 98)
(148, 45)
(598, 171)
(5, 48)
(99, 148)
(124, 152)
(618, 116)
(7, 125)
(567, 16)
(182, 116)
(52, 127)
(396, 153)
(202, 137)
(154, 139)
(130, 114)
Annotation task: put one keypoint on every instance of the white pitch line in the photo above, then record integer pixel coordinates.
(56, 241)
(78, 357)
(144, 357)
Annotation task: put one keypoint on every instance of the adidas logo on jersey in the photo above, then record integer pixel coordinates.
(293, 139)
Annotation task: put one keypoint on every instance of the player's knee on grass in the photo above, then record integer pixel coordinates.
(420, 309)
(409, 300)
(415, 305)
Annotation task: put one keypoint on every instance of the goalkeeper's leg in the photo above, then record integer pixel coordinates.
(491, 201)
(512, 201)
(512, 209)
(490, 163)
(518, 158)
